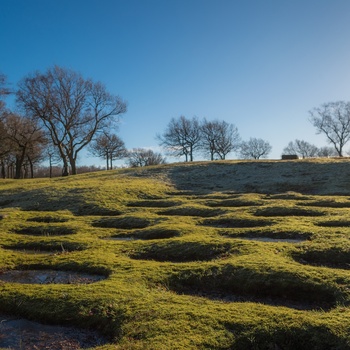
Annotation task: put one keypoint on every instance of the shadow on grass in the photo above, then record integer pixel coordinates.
(41, 200)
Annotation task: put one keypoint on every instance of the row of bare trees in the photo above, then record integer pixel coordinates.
(59, 110)
(60, 113)
(214, 139)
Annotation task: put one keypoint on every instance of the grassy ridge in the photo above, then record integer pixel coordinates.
(183, 266)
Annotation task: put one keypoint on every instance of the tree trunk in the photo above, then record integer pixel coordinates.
(3, 170)
(19, 163)
(31, 168)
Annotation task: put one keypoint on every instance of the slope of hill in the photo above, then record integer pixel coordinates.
(210, 255)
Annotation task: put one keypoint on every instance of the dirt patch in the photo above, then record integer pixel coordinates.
(48, 277)
(29, 335)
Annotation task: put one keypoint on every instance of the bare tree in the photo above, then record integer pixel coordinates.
(26, 140)
(181, 137)
(72, 109)
(326, 152)
(333, 120)
(108, 146)
(218, 138)
(4, 91)
(140, 157)
(255, 149)
(301, 148)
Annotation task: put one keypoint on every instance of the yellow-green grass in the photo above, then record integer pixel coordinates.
(188, 260)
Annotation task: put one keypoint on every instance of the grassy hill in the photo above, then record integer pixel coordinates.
(209, 255)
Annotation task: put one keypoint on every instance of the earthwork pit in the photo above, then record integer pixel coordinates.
(23, 334)
(232, 203)
(154, 203)
(287, 211)
(334, 223)
(270, 236)
(147, 234)
(46, 247)
(176, 251)
(326, 204)
(48, 219)
(236, 223)
(48, 277)
(192, 211)
(129, 222)
(46, 230)
(333, 257)
(241, 284)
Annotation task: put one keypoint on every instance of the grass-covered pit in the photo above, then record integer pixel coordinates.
(192, 211)
(331, 203)
(155, 203)
(287, 211)
(176, 282)
(179, 251)
(272, 235)
(326, 255)
(231, 222)
(48, 219)
(149, 233)
(48, 277)
(127, 222)
(233, 202)
(235, 283)
(16, 332)
(45, 230)
(47, 246)
(334, 223)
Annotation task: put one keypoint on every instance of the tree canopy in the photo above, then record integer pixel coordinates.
(333, 120)
(71, 108)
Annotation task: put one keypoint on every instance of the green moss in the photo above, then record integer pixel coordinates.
(182, 281)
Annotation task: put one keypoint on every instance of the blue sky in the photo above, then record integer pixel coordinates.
(259, 64)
